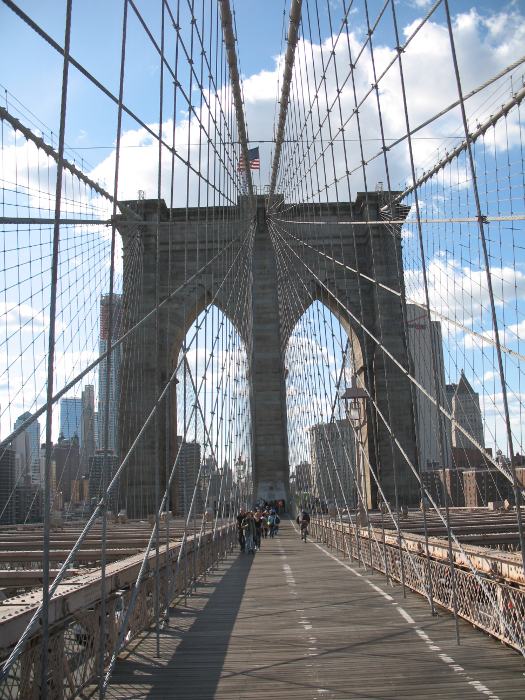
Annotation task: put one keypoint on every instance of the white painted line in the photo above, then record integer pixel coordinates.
(407, 617)
(451, 663)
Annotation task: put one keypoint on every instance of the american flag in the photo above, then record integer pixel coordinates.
(253, 159)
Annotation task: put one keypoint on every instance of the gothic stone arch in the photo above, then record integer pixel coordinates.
(373, 251)
(188, 238)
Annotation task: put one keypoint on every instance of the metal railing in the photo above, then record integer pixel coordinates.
(485, 600)
(75, 615)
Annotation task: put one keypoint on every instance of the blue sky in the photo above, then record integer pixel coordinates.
(31, 72)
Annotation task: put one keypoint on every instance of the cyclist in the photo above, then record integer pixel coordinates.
(303, 520)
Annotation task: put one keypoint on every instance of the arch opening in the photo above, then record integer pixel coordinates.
(328, 451)
(210, 417)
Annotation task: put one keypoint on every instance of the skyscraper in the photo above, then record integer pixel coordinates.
(7, 486)
(185, 480)
(70, 418)
(466, 411)
(422, 341)
(87, 438)
(27, 451)
(113, 397)
(66, 455)
(332, 455)
(102, 468)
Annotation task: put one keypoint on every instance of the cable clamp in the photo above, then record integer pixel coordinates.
(482, 218)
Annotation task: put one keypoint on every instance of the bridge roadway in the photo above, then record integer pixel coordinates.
(295, 621)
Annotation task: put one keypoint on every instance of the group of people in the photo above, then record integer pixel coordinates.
(255, 525)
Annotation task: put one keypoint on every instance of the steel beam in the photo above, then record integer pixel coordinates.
(229, 41)
(293, 34)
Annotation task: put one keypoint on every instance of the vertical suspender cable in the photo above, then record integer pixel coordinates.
(105, 442)
(51, 364)
(229, 40)
(156, 466)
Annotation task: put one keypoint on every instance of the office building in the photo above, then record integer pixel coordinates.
(482, 486)
(87, 439)
(332, 456)
(466, 411)
(102, 469)
(66, 455)
(185, 480)
(7, 486)
(27, 451)
(113, 396)
(423, 340)
(70, 418)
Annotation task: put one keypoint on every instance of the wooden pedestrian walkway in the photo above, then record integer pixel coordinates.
(297, 622)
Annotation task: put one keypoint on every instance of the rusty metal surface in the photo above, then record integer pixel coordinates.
(75, 614)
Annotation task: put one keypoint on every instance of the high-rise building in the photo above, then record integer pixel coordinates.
(113, 396)
(27, 451)
(66, 455)
(28, 504)
(80, 491)
(303, 472)
(52, 472)
(466, 412)
(102, 468)
(95, 424)
(87, 439)
(422, 341)
(332, 455)
(184, 483)
(7, 486)
(70, 418)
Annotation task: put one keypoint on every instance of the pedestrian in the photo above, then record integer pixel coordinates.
(240, 531)
(265, 525)
(273, 522)
(258, 530)
(248, 528)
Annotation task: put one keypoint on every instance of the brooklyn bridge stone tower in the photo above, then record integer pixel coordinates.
(187, 247)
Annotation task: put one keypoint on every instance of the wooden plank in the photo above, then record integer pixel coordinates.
(292, 622)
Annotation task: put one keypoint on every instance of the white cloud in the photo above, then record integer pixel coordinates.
(461, 292)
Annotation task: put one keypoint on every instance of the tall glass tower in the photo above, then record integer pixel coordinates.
(70, 418)
(113, 396)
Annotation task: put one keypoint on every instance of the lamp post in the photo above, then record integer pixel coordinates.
(354, 398)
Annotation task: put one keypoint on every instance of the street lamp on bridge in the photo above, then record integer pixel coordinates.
(355, 408)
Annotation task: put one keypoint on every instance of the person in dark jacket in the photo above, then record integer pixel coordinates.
(303, 520)
(240, 531)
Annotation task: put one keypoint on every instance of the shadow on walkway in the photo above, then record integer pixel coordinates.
(194, 670)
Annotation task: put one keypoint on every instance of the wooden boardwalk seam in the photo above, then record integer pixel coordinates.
(294, 622)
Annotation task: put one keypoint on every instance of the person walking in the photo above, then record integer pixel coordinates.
(265, 526)
(303, 520)
(273, 522)
(258, 529)
(249, 530)
(240, 531)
